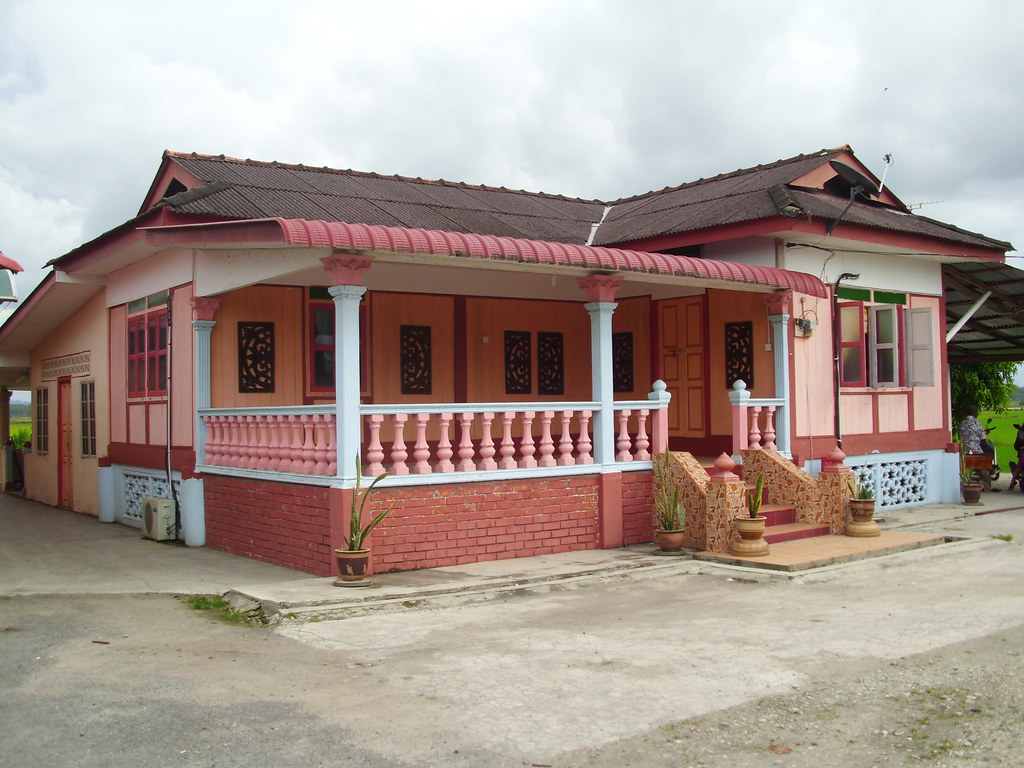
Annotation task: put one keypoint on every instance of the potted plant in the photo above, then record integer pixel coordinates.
(970, 487)
(354, 558)
(862, 511)
(751, 528)
(670, 534)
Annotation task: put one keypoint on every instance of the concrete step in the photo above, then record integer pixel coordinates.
(778, 514)
(775, 534)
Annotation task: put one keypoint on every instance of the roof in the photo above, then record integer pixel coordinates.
(370, 239)
(995, 332)
(247, 189)
(8, 263)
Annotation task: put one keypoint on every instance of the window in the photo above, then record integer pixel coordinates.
(885, 345)
(88, 392)
(147, 346)
(321, 346)
(42, 425)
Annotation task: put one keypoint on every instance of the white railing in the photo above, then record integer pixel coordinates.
(757, 422)
(447, 438)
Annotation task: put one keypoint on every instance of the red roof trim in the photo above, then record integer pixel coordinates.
(365, 237)
(8, 263)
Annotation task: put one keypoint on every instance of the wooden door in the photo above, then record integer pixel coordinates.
(65, 445)
(683, 361)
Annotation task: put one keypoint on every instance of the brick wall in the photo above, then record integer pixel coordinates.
(637, 508)
(281, 523)
(434, 526)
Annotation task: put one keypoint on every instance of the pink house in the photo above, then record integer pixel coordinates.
(513, 360)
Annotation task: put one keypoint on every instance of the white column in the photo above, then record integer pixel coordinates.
(780, 346)
(202, 330)
(601, 379)
(347, 376)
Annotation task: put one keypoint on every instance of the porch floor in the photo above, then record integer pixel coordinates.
(819, 551)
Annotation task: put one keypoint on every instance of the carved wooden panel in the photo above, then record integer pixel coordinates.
(416, 366)
(518, 366)
(255, 357)
(622, 361)
(550, 363)
(739, 353)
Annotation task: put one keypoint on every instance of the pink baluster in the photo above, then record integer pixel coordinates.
(232, 456)
(273, 429)
(642, 441)
(466, 443)
(322, 454)
(547, 445)
(754, 438)
(262, 455)
(246, 446)
(769, 428)
(212, 424)
(487, 442)
(398, 452)
(444, 445)
(565, 458)
(526, 446)
(374, 450)
(584, 446)
(508, 447)
(308, 447)
(622, 445)
(332, 445)
(421, 451)
(293, 444)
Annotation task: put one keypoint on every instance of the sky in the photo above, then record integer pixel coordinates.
(590, 98)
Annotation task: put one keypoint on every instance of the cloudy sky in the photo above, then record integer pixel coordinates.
(590, 98)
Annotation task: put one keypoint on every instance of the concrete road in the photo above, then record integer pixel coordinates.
(589, 676)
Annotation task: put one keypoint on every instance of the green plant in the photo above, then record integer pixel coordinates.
(1003, 536)
(357, 532)
(671, 512)
(222, 610)
(860, 492)
(21, 435)
(754, 496)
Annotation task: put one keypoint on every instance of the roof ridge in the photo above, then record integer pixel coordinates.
(373, 175)
(822, 153)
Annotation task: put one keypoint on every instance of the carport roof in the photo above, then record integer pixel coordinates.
(995, 332)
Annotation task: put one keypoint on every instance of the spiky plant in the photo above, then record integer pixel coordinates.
(671, 513)
(754, 497)
(357, 532)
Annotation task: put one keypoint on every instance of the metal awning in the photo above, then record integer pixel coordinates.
(995, 332)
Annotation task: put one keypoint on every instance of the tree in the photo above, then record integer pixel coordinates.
(990, 386)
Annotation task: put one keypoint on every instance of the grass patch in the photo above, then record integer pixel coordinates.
(1002, 434)
(1003, 536)
(220, 609)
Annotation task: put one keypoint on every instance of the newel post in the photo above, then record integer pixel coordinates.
(739, 397)
(660, 398)
(834, 482)
(347, 272)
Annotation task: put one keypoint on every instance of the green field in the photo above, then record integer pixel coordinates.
(1002, 433)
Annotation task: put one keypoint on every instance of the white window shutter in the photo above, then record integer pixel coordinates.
(883, 346)
(920, 348)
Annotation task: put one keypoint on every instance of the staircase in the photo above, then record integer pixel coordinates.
(781, 525)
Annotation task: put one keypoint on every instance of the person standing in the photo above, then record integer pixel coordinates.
(972, 432)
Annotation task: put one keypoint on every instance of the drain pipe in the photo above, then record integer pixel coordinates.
(836, 362)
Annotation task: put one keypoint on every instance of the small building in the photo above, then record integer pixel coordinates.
(512, 359)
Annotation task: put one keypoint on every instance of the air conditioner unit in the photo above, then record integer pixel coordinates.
(158, 519)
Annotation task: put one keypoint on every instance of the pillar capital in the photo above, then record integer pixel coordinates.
(204, 307)
(600, 288)
(779, 303)
(346, 268)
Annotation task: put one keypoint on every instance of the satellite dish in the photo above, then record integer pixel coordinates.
(854, 178)
(859, 185)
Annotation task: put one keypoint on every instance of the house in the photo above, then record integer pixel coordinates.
(511, 359)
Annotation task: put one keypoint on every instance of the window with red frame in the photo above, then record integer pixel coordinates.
(321, 345)
(147, 354)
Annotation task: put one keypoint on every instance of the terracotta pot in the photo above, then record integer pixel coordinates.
(972, 493)
(669, 541)
(861, 523)
(352, 564)
(751, 543)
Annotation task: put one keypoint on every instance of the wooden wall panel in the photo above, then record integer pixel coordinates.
(281, 305)
(389, 312)
(486, 322)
